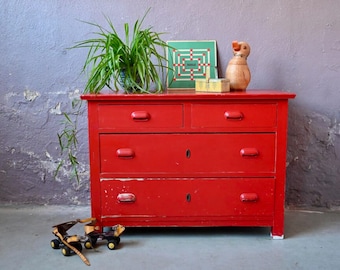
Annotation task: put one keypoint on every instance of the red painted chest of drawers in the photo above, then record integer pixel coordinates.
(189, 159)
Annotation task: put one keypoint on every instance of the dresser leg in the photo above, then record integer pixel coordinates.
(277, 237)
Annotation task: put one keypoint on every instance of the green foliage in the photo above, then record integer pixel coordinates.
(68, 141)
(131, 62)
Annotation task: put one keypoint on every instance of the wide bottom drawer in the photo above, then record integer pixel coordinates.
(166, 198)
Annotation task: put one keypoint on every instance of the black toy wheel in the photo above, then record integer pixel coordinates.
(90, 243)
(55, 243)
(112, 244)
(66, 251)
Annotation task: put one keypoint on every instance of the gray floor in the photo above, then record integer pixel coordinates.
(312, 241)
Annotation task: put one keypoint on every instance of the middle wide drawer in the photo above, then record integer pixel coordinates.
(187, 153)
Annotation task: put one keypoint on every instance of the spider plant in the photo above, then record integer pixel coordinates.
(131, 63)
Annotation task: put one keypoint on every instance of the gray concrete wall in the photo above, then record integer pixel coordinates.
(295, 47)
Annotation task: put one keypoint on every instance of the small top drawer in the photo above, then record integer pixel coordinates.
(233, 115)
(127, 116)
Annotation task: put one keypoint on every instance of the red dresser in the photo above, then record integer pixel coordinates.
(189, 159)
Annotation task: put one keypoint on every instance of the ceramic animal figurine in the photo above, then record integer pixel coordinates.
(237, 70)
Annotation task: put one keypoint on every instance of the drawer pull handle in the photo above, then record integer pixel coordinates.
(249, 152)
(233, 115)
(141, 116)
(126, 197)
(249, 197)
(125, 153)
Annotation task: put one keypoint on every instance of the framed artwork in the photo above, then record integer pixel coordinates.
(189, 60)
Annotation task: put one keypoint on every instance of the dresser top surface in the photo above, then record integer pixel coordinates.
(190, 94)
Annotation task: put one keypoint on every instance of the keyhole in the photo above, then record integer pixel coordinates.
(188, 197)
(188, 153)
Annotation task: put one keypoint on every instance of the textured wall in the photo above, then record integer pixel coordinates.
(295, 47)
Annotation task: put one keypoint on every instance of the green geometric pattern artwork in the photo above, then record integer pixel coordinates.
(188, 60)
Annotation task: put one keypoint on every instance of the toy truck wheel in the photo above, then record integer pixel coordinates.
(88, 244)
(55, 243)
(66, 251)
(112, 244)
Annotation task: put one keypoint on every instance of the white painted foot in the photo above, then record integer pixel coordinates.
(277, 237)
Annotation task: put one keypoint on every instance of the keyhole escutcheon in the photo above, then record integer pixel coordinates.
(188, 197)
(188, 153)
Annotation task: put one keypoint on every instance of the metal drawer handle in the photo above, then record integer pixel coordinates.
(125, 153)
(249, 197)
(233, 115)
(249, 152)
(126, 197)
(140, 116)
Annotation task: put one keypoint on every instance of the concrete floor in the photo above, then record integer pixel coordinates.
(312, 241)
